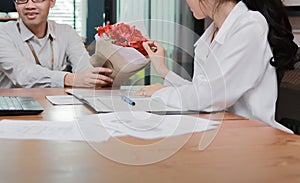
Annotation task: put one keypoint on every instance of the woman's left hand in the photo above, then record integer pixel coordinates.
(156, 54)
(149, 90)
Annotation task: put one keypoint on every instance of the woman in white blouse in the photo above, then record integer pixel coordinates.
(236, 60)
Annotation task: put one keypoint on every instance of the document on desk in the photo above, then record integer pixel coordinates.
(100, 127)
(104, 101)
(53, 130)
(63, 100)
(89, 93)
(151, 126)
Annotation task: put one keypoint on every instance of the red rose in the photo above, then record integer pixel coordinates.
(104, 30)
(124, 35)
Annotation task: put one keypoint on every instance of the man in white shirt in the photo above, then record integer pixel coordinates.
(34, 52)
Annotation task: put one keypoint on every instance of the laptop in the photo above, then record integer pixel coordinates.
(15, 105)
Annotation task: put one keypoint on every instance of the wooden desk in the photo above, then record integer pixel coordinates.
(243, 151)
(53, 112)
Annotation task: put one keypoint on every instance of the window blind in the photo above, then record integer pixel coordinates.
(171, 23)
(71, 12)
(158, 18)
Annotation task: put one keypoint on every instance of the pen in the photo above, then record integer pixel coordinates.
(128, 100)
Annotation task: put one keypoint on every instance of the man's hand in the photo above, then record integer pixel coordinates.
(89, 78)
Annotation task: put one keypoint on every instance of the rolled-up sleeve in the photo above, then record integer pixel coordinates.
(75, 50)
(173, 79)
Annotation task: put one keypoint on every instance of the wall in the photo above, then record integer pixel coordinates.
(94, 18)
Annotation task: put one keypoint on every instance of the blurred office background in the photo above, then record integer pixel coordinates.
(169, 21)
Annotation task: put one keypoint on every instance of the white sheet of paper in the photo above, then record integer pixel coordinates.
(100, 127)
(150, 126)
(83, 93)
(63, 100)
(131, 88)
(53, 130)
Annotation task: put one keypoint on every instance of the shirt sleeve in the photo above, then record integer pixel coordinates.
(76, 51)
(172, 79)
(233, 69)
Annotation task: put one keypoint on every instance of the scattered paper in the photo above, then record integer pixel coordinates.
(63, 100)
(100, 127)
(131, 88)
(83, 93)
(150, 126)
(53, 130)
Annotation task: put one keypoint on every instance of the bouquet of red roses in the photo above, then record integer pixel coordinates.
(120, 47)
(123, 35)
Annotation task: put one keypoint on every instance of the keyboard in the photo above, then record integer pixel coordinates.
(13, 105)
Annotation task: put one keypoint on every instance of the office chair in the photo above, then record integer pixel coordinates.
(288, 103)
(7, 6)
(291, 124)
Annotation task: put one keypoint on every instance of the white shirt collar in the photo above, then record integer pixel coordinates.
(236, 12)
(26, 34)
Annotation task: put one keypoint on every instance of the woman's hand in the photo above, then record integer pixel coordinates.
(89, 78)
(156, 54)
(149, 90)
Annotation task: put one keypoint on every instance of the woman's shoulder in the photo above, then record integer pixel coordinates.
(258, 18)
(253, 20)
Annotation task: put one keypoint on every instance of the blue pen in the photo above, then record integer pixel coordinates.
(128, 100)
